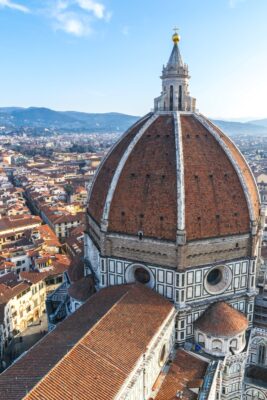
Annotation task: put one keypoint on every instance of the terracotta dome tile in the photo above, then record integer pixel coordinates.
(145, 193)
(247, 174)
(145, 198)
(220, 319)
(215, 203)
(106, 172)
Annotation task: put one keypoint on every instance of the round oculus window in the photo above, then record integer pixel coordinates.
(141, 275)
(218, 279)
(214, 276)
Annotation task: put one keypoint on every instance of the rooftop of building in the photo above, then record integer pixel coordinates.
(17, 222)
(186, 375)
(82, 289)
(86, 355)
(33, 277)
(221, 319)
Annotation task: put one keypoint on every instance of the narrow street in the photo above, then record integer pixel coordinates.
(25, 341)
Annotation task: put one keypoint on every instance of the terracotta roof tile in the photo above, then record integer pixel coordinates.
(247, 174)
(186, 372)
(76, 269)
(82, 289)
(33, 277)
(8, 292)
(215, 203)
(145, 198)
(18, 221)
(220, 319)
(87, 355)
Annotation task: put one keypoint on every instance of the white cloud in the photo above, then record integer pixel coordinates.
(76, 16)
(71, 16)
(14, 6)
(71, 23)
(98, 9)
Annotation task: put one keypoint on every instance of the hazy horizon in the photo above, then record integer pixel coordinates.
(107, 55)
(242, 120)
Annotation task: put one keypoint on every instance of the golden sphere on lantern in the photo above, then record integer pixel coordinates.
(175, 38)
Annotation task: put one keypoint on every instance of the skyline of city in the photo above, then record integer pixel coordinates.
(133, 266)
(106, 56)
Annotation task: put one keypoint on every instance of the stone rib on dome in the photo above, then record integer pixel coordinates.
(144, 193)
(137, 204)
(215, 204)
(106, 171)
(244, 167)
(220, 319)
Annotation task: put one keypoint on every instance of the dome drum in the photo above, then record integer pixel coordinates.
(155, 251)
(220, 346)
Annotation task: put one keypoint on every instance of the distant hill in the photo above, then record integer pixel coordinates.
(37, 119)
(262, 122)
(73, 121)
(241, 128)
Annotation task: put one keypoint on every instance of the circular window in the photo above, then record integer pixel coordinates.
(218, 279)
(214, 277)
(142, 275)
(162, 355)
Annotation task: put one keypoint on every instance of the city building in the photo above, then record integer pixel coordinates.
(13, 228)
(22, 301)
(63, 222)
(172, 244)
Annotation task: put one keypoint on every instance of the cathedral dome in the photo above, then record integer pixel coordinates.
(173, 172)
(175, 178)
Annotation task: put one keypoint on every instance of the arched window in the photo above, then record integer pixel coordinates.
(171, 98)
(180, 98)
(254, 394)
(201, 340)
(216, 345)
(262, 354)
(162, 356)
(235, 368)
(233, 344)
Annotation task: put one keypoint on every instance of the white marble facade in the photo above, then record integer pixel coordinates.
(188, 290)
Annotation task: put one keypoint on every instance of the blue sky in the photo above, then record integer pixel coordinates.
(107, 55)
